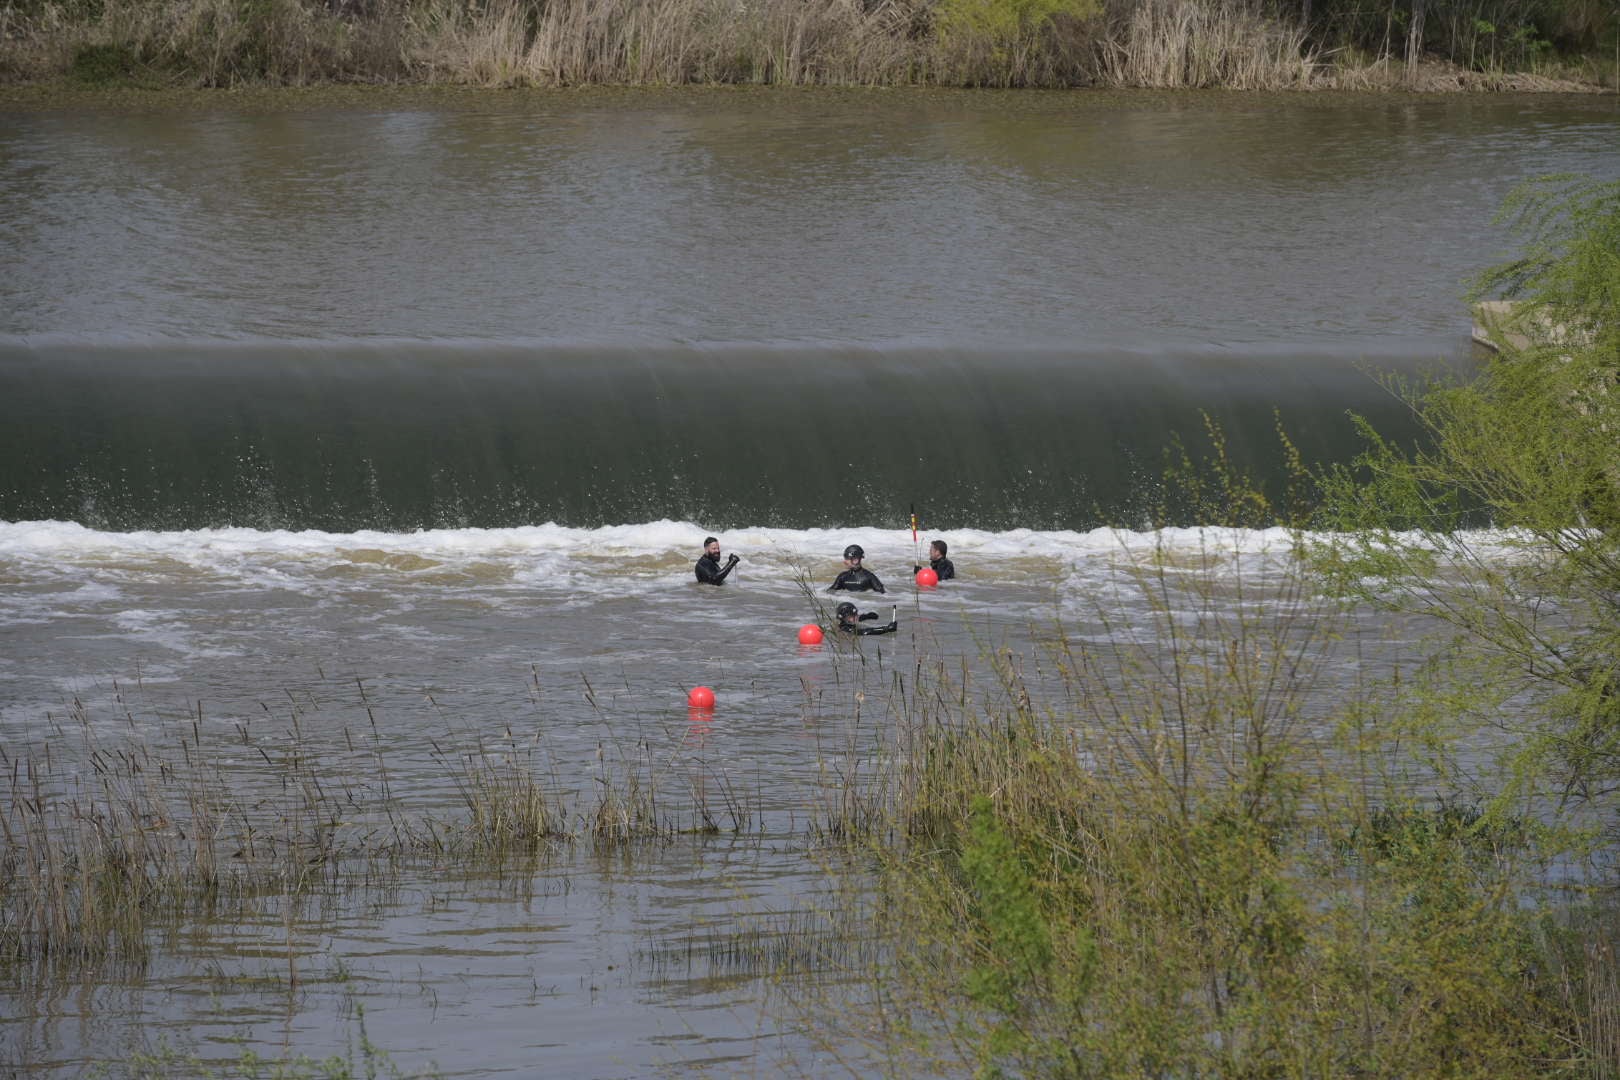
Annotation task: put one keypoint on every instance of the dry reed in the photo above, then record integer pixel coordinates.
(1190, 44)
(668, 42)
(103, 837)
(1235, 44)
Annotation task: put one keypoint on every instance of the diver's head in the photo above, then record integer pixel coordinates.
(936, 549)
(854, 554)
(711, 546)
(847, 614)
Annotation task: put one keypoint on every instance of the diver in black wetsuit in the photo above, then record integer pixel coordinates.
(855, 577)
(708, 568)
(937, 560)
(849, 620)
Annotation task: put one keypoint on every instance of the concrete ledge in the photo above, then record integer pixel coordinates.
(1497, 323)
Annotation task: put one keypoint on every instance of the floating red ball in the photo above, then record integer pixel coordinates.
(701, 697)
(926, 578)
(809, 634)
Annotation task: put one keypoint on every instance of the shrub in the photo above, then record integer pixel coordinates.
(98, 64)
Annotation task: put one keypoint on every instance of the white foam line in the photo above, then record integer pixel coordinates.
(57, 541)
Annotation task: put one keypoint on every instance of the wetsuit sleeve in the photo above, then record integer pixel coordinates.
(947, 570)
(873, 631)
(876, 584)
(839, 582)
(709, 572)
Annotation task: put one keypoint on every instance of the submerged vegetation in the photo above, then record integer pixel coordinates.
(92, 860)
(1241, 44)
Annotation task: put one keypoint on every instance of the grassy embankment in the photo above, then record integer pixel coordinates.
(1238, 44)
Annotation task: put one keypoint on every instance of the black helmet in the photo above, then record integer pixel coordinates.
(854, 552)
(846, 608)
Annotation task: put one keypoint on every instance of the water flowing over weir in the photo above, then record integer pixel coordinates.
(371, 444)
(400, 436)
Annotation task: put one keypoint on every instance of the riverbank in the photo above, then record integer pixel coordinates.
(1157, 44)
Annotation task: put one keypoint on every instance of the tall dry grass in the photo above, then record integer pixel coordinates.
(1233, 44)
(205, 42)
(1159, 43)
(1236, 44)
(1194, 44)
(668, 42)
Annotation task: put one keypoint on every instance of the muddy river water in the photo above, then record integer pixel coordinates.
(404, 420)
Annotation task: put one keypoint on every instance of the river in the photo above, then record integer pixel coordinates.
(404, 419)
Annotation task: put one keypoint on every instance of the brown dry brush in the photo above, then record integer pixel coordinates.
(1240, 44)
(205, 42)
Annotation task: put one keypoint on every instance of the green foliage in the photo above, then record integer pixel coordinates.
(1009, 42)
(1214, 490)
(1568, 274)
(1018, 941)
(1005, 23)
(1168, 871)
(1409, 833)
(224, 42)
(1491, 35)
(1530, 446)
(1533, 607)
(1049, 43)
(1089, 924)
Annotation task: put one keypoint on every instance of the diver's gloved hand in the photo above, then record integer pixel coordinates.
(733, 559)
(869, 615)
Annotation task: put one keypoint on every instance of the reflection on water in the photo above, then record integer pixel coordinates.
(575, 965)
(887, 218)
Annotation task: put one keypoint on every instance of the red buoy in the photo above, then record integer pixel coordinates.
(926, 578)
(809, 634)
(701, 697)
